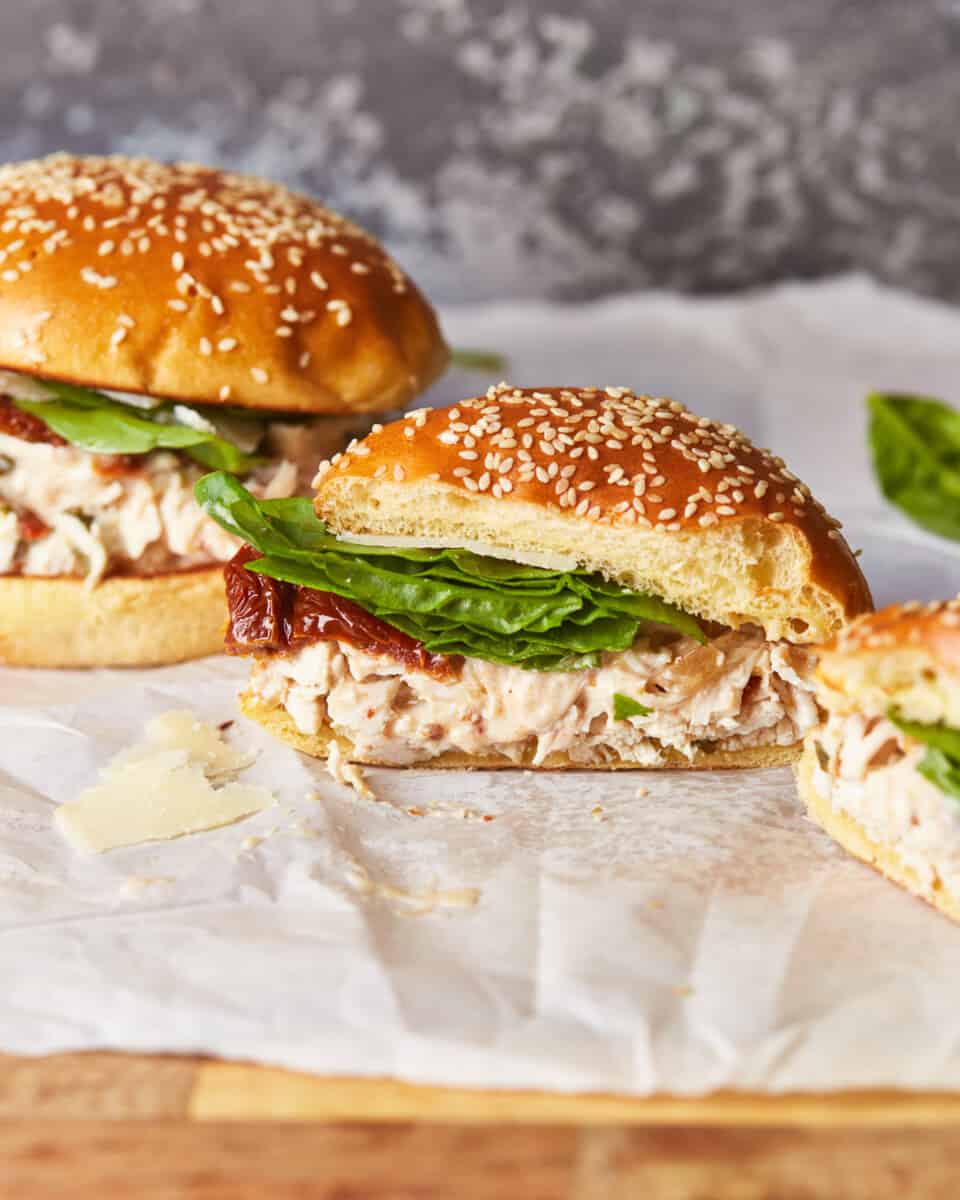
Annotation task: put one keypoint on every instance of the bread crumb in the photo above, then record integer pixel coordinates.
(134, 884)
(642, 791)
(410, 904)
(598, 814)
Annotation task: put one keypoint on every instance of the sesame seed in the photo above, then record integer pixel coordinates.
(225, 393)
(259, 375)
(225, 345)
(95, 279)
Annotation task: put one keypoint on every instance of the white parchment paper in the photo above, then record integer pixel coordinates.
(553, 931)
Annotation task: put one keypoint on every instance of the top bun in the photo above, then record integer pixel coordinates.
(906, 656)
(190, 283)
(639, 489)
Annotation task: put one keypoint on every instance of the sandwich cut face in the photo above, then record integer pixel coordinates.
(158, 321)
(882, 774)
(545, 578)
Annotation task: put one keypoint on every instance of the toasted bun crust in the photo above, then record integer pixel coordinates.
(124, 622)
(906, 656)
(639, 489)
(276, 720)
(851, 835)
(191, 283)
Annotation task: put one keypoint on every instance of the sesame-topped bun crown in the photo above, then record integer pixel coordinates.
(187, 282)
(906, 656)
(639, 489)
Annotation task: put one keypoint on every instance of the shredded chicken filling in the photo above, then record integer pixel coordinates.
(66, 512)
(867, 768)
(735, 692)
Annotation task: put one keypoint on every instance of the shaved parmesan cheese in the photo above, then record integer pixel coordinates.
(203, 744)
(26, 387)
(530, 558)
(184, 415)
(23, 387)
(162, 789)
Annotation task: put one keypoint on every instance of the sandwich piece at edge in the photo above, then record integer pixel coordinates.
(882, 775)
(545, 578)
(157, 321)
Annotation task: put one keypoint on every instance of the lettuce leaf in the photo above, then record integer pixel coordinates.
(94, 422)
(453, 601)
(941, 763)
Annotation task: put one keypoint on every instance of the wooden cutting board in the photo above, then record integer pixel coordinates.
(98, 1126)
(121, 1086)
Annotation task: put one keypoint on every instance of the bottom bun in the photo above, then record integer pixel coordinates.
(126, 621)
(277, 720)
(851, 835)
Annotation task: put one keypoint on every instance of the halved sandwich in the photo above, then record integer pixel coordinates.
(882, 775)
(565, 577)
(158, 321)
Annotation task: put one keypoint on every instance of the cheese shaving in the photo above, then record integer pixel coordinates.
(163, 788)
(548, 560)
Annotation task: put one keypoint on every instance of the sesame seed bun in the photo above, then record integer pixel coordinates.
(190, 283)
(277, 721)
(639, 489)
(906, 656)
(126, 621)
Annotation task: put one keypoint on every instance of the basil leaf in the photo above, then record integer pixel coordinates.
(478, 360)
(915, 443)
(940, 737)
(941, 763)
(453, 601)
(93, 422)
(942, 771)
(625, 707)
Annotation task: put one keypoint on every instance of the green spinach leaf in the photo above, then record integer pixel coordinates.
(453, 601)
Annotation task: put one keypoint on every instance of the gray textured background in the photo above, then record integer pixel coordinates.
(551, 147)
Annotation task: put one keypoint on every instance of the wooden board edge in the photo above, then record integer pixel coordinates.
(241, 1092)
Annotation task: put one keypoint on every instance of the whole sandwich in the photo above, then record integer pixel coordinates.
(551, 578)
(158, 321)
(882, 775)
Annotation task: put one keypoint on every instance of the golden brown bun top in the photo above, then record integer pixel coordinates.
(934, 627)
(191, 283)
(906, 656)
(612, 468)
